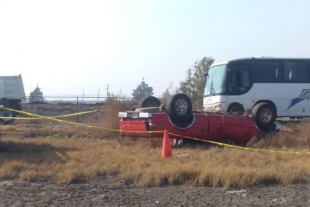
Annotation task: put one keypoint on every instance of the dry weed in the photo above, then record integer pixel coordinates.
(111, 119)
(291, 136)
(139, 162)
(197, 105)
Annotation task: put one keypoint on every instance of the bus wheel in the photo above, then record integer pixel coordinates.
(148, 101)
(264, 113)
(235, 108)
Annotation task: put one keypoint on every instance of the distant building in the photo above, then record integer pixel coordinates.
(12, 87)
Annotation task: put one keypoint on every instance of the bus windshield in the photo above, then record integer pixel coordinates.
(215, 80)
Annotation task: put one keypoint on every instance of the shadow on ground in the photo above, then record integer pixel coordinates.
(32, 153)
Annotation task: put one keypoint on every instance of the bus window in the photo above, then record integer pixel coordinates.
(215, 80)
(245, 78)
(296, 72)
(238, 79)
(268, 72)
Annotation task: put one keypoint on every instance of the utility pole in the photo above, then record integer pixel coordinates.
(108, 94)
(98, 95)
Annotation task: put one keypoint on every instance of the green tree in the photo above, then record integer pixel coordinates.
(193, 85)
(142, 90)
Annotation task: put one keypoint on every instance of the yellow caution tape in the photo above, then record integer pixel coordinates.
(150, 132)
(289, 120)
(60, 116)
(240, 147)
(18, 118)
(74, 123)
(74, 114)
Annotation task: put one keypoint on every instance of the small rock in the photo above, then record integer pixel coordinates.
(122, 183)
(104, 196)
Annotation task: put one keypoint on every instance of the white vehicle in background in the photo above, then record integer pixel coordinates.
(12, 93)
(270, 87)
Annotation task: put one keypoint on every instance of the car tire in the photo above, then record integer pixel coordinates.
(264, 114)
(9, 114)
(179, 106)
(235, 108)
(148, 101)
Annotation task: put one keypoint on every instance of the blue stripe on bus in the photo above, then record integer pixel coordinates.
(294, 102)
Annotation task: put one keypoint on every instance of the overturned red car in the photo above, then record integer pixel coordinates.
(151, 118)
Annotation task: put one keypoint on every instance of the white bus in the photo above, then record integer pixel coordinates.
(270, 87)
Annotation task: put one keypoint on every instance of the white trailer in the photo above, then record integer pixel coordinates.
(12, 94)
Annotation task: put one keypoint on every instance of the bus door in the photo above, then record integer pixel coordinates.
(239, 82)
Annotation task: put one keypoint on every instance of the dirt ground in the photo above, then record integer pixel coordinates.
(108, 191)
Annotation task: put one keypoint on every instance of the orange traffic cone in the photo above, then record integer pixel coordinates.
(166, 150)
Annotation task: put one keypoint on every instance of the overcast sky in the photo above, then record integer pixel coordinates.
(69, 46)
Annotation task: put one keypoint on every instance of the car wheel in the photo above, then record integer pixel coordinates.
(235, 108)
(179, 106)
(8, 117)
(148, 101)
(264, 113)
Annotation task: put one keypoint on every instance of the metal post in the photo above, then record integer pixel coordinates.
(77, 108)
(98, 95)
(31, 120)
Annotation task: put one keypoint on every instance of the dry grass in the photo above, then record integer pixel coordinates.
(111, 119)
(83, 157)
(197, 105)
(293, 136)
(139, 162)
